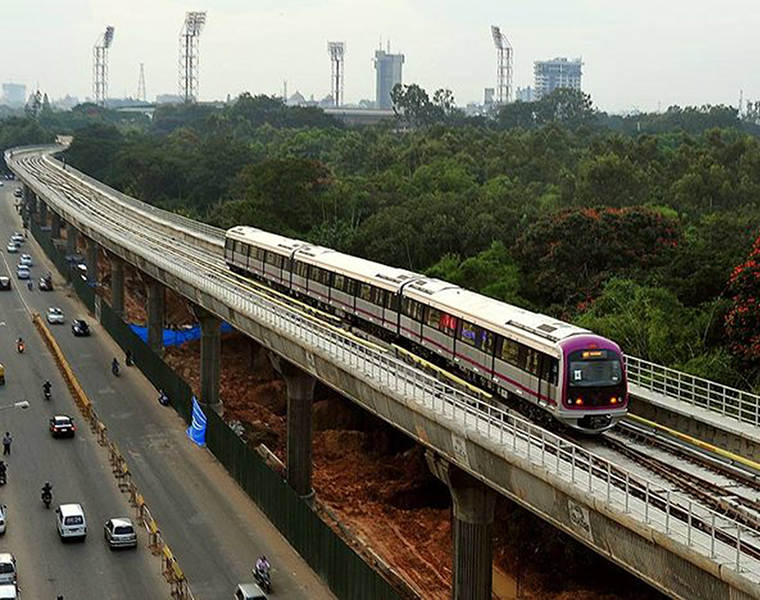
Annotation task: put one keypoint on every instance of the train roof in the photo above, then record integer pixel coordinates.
(361, 269)
(263, 239)
(502, 318)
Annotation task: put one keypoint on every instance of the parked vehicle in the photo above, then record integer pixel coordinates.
(8, 573)
(22, 272)
(5, 283)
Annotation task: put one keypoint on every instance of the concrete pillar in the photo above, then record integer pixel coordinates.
(117, 284)
(472, 529)
(55, 226)
(155, 310)
(211, 356)
(300, 425)
(71, 239)
(92, 261)
(43, 213)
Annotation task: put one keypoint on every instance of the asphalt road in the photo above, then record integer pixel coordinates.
(77, 468)
(214, 529)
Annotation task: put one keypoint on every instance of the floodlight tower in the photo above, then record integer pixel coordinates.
(337, 52)
(141, 95)
(503, 67)
(188, 55)
(100, 66)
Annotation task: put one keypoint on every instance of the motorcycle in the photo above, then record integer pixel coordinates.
(47, 497)
(3, 477)
(115, 369)
(20, 347)
(46, 393)
(262, 578)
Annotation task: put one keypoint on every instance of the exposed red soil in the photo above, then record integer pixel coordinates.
(376, 481)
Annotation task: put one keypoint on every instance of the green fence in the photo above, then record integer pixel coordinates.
(347, 574)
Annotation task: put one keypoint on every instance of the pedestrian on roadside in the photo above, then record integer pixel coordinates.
(7, 441)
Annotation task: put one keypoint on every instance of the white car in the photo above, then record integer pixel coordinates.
(12, 248)
(26, 260)
(18, 238)
(22, 272)
(9, 591)
(120, 533)
(55, 315)
(3, 516)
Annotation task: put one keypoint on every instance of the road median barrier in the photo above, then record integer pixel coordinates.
(156, 544)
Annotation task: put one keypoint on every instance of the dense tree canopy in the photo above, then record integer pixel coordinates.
(630, 225)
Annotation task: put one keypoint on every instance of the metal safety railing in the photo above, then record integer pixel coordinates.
(703, 393)
(721, 399)
(717, 537)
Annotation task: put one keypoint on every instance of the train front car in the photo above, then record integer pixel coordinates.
(594, 384)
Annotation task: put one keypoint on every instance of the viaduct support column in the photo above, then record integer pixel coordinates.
(71, 239)
(300, 425)
(211, 357)
(117, 284)
(155, 310)
(55, 226)
(472, 530)
(92, 261)
(42, 212)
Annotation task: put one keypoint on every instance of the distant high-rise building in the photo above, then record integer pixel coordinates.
(524, 94)
(558, 73)
(14, 94)
(388, 67)
(488, 96)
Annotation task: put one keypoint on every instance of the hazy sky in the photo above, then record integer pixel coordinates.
(637, 54)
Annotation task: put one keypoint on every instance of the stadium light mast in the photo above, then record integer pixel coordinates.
(100, 66)
(504, 89)
(188, 55)
(337, 52)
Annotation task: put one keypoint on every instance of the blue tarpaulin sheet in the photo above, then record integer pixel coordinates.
(175, 337)
(197, 430)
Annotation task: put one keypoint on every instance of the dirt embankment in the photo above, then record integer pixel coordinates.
(376, 481)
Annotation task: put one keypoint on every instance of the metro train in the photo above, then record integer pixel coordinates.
(578, 378)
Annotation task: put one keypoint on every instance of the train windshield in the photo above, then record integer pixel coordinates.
(594, 368)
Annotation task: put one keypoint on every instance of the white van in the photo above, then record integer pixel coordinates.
(70, 521)
(7, 568)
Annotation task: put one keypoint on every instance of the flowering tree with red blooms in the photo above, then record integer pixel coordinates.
(743, 320)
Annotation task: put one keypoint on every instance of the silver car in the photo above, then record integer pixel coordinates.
(54, 315)
(12, 248)
(22, 272)
(120, 533)
(26, 260)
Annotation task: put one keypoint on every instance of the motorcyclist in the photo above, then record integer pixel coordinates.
(47, 489)
(3, 469)
(115, 366)
(20, 345)
(163, 399)
(262, 565)
(46, 388)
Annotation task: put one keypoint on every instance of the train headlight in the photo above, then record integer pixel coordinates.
(613, 400)
(579, 401)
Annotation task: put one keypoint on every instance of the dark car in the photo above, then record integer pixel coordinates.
(80, 328)
(46, 284)
(5, 283)
(62, 425)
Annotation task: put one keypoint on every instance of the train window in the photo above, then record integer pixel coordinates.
(339, 282)
(433, 317)
(468, 333)
(351, 286)
(287, 264)
(406, 307)
(549, 369)
(260, 253)
(485, 342)
(274, 259)
(393, 302)
(448, 324)
(531, 363)
(365, 292)
(300, 269)
(509, 351)
(413, 309)
(320, 275)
